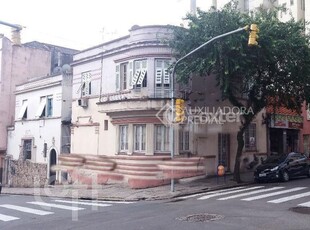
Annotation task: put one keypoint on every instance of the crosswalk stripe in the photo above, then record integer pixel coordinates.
(230, 192)
(83, 203)
(273, 194)
(211, 192)
(250, 193)
(288, 198)
(7, 218)
(24, 209)
(307, 204)
(115, 202)
(72, 208)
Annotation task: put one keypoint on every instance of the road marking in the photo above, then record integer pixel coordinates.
(211, 192)
(71, 208)
(230, 192)
(288, 198)
(307, 204)
(83, 203)
(250, 193)
(7, 218)
(24, 209)
(115, 202)
(273, 194)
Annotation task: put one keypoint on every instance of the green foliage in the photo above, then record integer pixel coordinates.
(278, 68)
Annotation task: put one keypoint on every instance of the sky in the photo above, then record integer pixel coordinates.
(81, 24)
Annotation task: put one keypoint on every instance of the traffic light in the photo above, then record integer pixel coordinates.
(253, 35)
(179, 110)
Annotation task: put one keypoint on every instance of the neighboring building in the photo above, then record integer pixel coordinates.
(41, 129)
(18, 63)
(298, 9)
(305, 134)
(217, 139)
(287, 129)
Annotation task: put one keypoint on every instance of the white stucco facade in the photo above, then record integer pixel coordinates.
(42, 108)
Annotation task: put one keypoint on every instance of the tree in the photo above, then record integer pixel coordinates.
(274, 73)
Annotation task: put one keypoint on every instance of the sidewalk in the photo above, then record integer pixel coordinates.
(121, 192)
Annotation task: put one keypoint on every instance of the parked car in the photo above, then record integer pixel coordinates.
(283, 167)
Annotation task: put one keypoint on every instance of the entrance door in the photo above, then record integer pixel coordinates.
(292, 140)
(224, 150)
(52, 162)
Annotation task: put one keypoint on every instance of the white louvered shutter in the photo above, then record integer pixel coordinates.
(166, 76)
(159, 76)
(141, 78)
(130, 67)
(135, 78)
(117, 77)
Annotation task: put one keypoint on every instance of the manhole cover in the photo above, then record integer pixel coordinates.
(302, 210)
(201, 217)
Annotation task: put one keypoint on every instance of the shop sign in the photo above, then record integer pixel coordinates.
(286, 121)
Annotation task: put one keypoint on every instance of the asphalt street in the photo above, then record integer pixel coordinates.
(258, 206)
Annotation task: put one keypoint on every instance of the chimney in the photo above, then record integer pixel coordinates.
(16, 36)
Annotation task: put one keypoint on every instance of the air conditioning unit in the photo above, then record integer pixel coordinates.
(83, 102)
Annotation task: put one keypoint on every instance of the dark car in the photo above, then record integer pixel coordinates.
(283, 167)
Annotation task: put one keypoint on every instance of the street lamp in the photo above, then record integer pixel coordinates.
(171, 141)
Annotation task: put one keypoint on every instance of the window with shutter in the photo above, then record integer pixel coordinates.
(250, 137)
(123, 138)
(117, 77)
(130, 70)
(140, 66)
(162, 138)
(162, 78)
(23, 111)
(123, 76)
(86, 83)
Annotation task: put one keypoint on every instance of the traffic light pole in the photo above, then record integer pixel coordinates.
(171, 141)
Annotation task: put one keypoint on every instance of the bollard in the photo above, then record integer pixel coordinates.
(221, 173)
